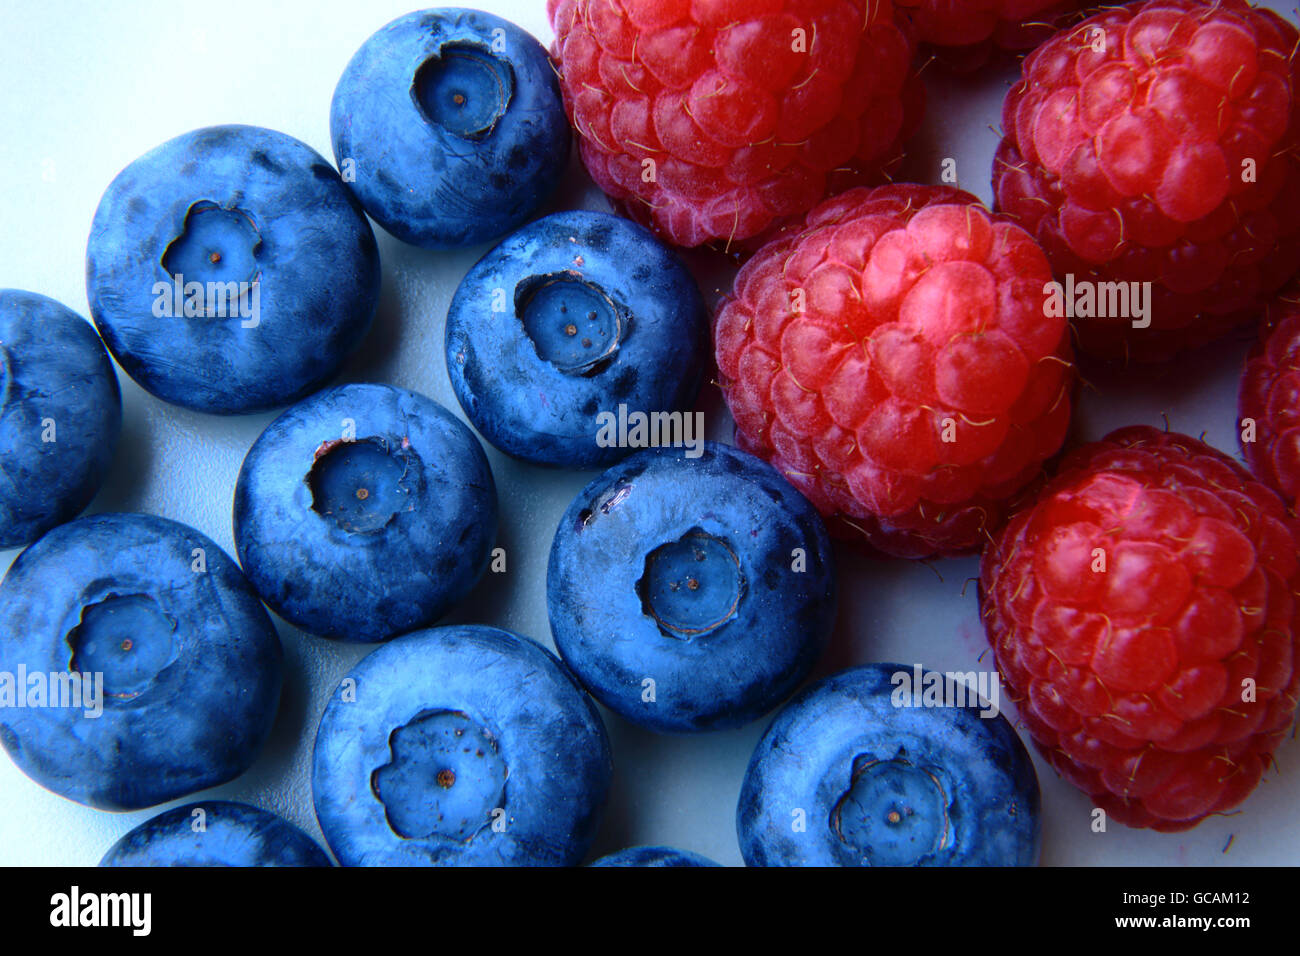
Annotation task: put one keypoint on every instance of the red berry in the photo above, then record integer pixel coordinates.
(969, 31)
(891, 356)
(714, 120)
(1269, 401)
(1142, 610)
(1157, 142)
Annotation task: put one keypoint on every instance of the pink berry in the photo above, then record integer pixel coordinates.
(891, 355)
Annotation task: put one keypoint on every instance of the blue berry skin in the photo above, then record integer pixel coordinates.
(224, 834)
(60, 415)
(454, 127)
(232, 204)
(654, 856)
(460, 746)
(191, 663)
(712, 577)
(573, 315)
(876, 784)
(360, 540)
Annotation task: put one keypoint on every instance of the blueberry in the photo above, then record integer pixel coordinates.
(218, 833)
(460, 746)
(690, 594)
(845, 777)
(655, 856)
(60, 415)
(188, 658)
(363, 512)
(230, 270)
(574, 318)
(452, 124)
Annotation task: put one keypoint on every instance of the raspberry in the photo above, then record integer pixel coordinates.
(891, 356)
(1128, 606)
(1270, 397)
(713, 119)
(967, 32)
(1163, 153)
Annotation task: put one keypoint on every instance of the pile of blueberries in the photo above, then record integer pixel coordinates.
(365, 512)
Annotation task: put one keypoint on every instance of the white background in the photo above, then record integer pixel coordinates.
(87, 87)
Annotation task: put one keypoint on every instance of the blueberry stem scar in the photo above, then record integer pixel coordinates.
(555, 307)
(361, 485)
(464, 89)
(893, 813)
(444, 778)
(692, 586)
(127, 638)
(216, 244)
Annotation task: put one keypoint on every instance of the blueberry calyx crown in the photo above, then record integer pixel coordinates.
(464, 88)
(362, 484)
(445, 777)
(894, 811)
(572, 323)
(217, 244)
(692, 586)
(127, 638)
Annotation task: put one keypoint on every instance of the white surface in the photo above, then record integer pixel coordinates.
(87, 87)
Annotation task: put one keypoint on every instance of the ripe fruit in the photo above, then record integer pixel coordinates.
(968, 31)
(1270, 397)
(460, 746)
(219, 833)
(230, 270)
(1157, 143)
(1143, 615)
(712, 121)
(892, 357)
(60, 415)
(653, 856)
(878, 782)
(330, 519)
(453, 125)
(576, 317)
(696, 590)
(178, 667)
